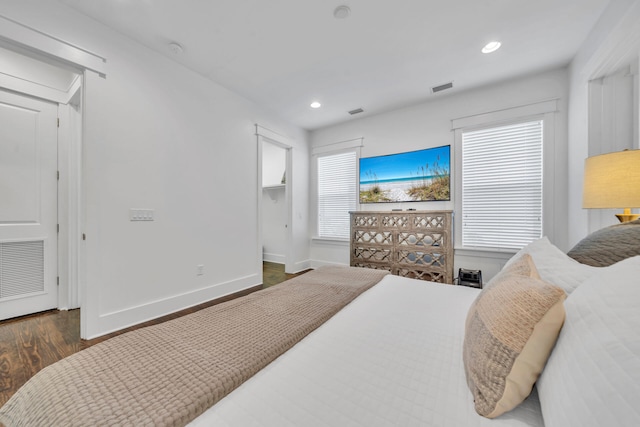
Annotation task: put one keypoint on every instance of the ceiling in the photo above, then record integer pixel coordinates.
(284, 54)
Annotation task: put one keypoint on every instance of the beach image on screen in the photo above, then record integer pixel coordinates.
(414, 176)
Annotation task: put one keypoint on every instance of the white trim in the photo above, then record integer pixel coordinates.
(272, 136)
(620, 47)
(330, 241)
(484, 252)
(34, 40)
(300, 266)
(319, 263)
(275, 258)
(75, 217)
(337, 146)
(69, 163)
(511, 114)
(73, 89)
(23, 239)
(259, 238)
(17, 84)
(64, 139)
(120, 319)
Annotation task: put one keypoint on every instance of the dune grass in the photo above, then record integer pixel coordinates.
(374, 194)
(435, 184)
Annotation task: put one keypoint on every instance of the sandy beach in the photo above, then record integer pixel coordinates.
(396, 191)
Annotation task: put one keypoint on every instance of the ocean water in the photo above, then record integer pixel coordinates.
(409, 180)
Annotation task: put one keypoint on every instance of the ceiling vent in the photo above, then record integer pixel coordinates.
(356, 111)
(440, 88)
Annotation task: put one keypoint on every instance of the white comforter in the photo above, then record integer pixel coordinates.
(393, 357)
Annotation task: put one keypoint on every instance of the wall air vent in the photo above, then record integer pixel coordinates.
(21, 268)
(356, 111)
(440, 88)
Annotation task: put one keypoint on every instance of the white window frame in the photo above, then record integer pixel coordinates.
(544, 111)
(327, 150)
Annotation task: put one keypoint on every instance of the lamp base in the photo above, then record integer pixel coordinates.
(627, 218)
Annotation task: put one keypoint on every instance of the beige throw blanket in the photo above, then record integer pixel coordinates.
(168, 374)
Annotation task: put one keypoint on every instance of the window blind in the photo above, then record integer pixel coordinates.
(336, 193)
(502, 185)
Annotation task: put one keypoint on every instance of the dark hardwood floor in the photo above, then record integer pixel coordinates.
(273, 273)
(30, 343)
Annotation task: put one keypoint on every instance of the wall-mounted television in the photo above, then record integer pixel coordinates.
(414, 176)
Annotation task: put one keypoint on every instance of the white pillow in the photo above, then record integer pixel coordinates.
(554, 266)
(592, 377)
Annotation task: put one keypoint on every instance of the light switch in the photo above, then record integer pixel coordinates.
(141, 214)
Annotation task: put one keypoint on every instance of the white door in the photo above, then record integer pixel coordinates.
(28, 205)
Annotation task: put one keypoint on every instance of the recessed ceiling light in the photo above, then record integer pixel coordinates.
(315, 104)
(491, 47)
(341, 12)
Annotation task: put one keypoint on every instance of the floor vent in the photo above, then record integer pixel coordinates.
(440, 88)
(21, 268)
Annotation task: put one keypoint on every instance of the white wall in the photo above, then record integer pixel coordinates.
(274, 222)
(274, 203)
(613, 43)
(429, 125)
(159, 136)
(274, 164)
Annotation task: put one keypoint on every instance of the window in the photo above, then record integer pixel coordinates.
(336, 193)
(501, 174)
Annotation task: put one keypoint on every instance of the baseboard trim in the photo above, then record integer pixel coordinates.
(115, 321)
(277, 258)
(180, 313)
(301, 266)
(318, 263)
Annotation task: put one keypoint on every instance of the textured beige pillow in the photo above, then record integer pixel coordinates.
(510, 330)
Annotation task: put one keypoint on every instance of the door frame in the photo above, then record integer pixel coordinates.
(266, 135)
(51, 49)
(69, 201)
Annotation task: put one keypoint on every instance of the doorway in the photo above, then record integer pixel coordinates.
(274, 203)
(274, 200)
(40, 131)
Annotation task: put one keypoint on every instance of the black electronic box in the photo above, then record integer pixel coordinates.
(472, 278)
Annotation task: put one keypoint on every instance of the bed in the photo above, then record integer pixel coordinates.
(401, 353)
(391, 358)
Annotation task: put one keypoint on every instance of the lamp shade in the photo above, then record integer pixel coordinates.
(612, 180)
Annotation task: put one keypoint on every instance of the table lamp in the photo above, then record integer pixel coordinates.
(612, 181)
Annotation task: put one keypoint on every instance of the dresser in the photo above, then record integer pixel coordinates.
(416, 244)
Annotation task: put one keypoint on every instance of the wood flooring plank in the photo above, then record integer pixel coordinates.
(12, 373)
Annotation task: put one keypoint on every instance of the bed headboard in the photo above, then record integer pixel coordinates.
(609, 245)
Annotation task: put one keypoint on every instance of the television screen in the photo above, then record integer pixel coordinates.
(415, 176)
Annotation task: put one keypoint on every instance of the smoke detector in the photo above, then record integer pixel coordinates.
(176, 48)
(342, 12)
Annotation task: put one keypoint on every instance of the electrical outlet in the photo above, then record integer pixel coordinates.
(199, 270)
